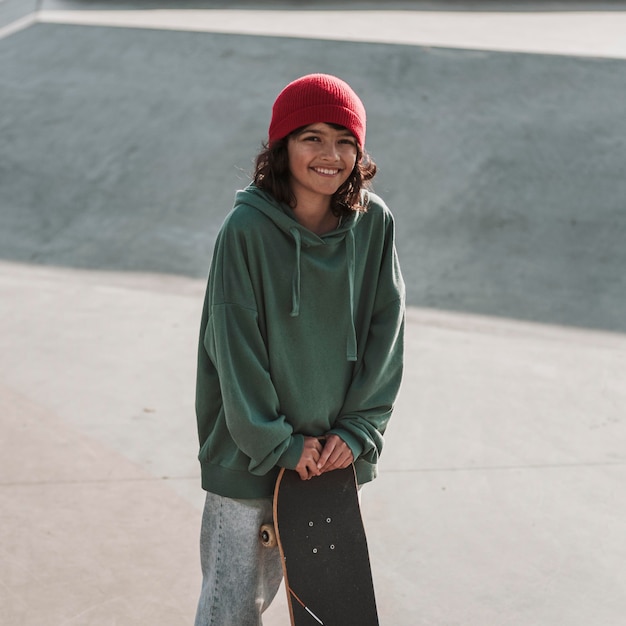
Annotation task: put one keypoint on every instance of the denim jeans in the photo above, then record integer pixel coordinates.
(240, 577)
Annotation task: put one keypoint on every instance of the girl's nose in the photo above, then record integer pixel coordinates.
(330, 151)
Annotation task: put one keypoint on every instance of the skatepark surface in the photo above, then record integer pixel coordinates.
(499, 132)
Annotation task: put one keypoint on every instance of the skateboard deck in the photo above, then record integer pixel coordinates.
(324, 551)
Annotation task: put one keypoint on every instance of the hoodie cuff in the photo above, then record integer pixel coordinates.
(291, 456)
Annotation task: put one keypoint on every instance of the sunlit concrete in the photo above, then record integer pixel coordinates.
(500, 484)
(585, 33)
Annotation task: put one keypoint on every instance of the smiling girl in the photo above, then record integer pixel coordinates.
(301, 341)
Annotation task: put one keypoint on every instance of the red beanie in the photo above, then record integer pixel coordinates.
(317, 98)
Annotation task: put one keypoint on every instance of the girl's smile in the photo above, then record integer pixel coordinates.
(326, 172)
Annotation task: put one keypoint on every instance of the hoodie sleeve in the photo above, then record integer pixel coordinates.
(376, 382)
(233, 355)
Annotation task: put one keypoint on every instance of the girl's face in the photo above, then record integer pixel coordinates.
(321, 158)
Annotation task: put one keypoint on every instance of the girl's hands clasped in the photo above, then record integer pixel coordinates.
(323, 455)
(335, 455)
(307, 465)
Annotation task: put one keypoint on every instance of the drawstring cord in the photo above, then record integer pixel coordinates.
(351, 347)
(351, 350)
(295, 285)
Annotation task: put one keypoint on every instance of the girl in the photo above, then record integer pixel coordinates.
(301, 339)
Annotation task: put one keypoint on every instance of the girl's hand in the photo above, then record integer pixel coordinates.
(307, 465)
(335, 455)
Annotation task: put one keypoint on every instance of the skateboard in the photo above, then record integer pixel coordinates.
(319, 530)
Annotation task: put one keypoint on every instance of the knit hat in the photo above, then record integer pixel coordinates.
(317, 98)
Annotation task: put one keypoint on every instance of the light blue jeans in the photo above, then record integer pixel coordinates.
(240, 577)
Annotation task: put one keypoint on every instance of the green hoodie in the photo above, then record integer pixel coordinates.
(300, 335)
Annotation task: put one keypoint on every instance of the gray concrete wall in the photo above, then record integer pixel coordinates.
(122, 149)
(12, 10)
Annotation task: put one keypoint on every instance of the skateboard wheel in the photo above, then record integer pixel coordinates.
(268, 536)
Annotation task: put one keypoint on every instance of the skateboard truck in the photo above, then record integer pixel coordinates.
(267, 533)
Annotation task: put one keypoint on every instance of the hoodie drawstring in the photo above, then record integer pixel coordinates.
(351, 347)
(351, 350)
(295, 285)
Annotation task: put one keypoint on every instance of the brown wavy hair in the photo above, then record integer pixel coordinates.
(272, 175)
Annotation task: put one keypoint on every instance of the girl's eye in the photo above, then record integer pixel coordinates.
(311, 138)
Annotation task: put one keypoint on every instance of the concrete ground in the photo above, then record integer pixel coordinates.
(499, 132)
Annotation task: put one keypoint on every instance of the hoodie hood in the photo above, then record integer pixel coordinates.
(303, 239)
(285, 219)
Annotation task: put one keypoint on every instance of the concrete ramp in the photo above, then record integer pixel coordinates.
(122, 149)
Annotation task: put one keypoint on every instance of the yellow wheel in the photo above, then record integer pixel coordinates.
(268, 535)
